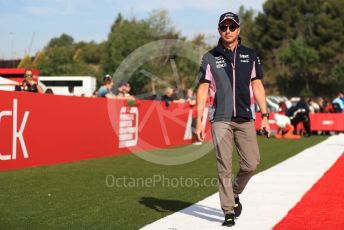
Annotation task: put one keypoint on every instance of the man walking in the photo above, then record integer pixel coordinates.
(231, 74)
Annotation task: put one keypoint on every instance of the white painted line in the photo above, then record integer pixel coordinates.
(269, 195)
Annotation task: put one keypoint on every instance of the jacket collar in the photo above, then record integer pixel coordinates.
(228, 54)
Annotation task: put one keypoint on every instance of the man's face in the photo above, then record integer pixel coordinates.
(229, 31)
(169, 92)
(28, 74)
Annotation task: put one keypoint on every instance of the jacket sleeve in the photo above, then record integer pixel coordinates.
(203, 71)
(257, 67)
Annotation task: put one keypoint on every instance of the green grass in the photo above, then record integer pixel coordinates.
(80, 199)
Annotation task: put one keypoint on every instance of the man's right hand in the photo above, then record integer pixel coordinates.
(200, 134)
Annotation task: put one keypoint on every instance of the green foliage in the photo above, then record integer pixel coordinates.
(91, 52)
(57, 61)
(299, 55)
(39, 59)
(337, 78)
(300, 58)
(247, 26)
(25, 62)
(62, 56)
(161, 24)
(124, 38)
(300, 43)
(277, 37)
(63, 41)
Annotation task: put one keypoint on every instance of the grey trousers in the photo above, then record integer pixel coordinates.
(243, 134)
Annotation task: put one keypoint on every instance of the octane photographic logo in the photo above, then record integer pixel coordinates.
(129, 127)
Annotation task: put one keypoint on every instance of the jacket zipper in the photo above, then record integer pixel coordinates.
(234, 85)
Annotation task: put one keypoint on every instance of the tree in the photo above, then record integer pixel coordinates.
(336, 79)
(25, 62)
(318, 22)
(247, 26)
(161, 24)
(124, 38)
(57, 61)
(63, 57)
(128, 35)
(91, 52)
(300, 58)
(62, 41)
(39, 59)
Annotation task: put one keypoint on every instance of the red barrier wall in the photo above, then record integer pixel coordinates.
(38, 129)
(319, 122)
(327, 122)
(56, 129)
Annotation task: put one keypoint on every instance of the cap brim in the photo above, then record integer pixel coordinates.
(229, 19)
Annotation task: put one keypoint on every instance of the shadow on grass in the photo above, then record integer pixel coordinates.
(196, 210)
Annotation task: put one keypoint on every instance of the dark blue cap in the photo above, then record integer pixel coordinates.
(229, 16)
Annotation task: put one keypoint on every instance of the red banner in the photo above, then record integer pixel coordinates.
(319, 122)
(38, 129)
(327, 121)
(42, 129)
